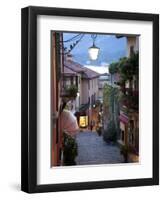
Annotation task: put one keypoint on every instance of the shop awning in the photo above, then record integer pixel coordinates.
(123, 118)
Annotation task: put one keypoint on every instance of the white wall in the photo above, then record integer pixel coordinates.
(10, 100)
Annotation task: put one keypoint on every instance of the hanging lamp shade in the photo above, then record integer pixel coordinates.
(93, 52)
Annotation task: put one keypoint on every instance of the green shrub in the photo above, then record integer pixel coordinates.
(113, 68)
(125, 151)
(70, 150)
(110, 134)
(72, 90)
(129, 67)
(99, 130)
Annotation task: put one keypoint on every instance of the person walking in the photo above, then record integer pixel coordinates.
(92, 124)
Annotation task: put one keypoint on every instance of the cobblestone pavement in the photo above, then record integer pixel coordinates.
(92, 149)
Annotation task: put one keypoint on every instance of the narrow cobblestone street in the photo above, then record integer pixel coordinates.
(92, 149)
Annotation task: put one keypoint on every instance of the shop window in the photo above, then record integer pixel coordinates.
(76, 81)
(132, 138)
(72, 81)
(122, 135)
(131, 125)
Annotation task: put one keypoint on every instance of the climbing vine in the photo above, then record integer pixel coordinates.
(110, 95)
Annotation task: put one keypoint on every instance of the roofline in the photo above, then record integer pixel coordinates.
(68, 74)
(73, 69)
(90, 78)
(85, 69)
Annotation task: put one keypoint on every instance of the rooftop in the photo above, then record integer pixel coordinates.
(68, 71)
(104, 77)
(74, 66)
(101, 69)
(88, 73)
(78, 68)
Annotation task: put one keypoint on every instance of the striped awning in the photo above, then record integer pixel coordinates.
(123, 118)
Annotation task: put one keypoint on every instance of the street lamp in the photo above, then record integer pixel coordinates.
(93, 51)
(78, 94)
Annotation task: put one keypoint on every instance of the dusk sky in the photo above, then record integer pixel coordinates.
(111, 48)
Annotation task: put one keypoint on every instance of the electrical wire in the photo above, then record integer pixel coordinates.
(73, 46)
(72, 38)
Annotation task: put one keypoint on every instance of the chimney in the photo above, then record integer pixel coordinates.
(69, 57)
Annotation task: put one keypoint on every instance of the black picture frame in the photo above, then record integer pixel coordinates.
(29, 99)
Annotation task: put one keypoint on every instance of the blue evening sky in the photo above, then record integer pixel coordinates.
(111, 48)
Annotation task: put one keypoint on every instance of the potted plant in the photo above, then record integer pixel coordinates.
(69, 149)
(125, 151)
(72, 91)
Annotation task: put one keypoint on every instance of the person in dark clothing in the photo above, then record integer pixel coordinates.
(92, 125)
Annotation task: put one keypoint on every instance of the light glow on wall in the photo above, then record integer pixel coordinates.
(83, 121)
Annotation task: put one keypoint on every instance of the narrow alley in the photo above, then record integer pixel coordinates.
(92, 149)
